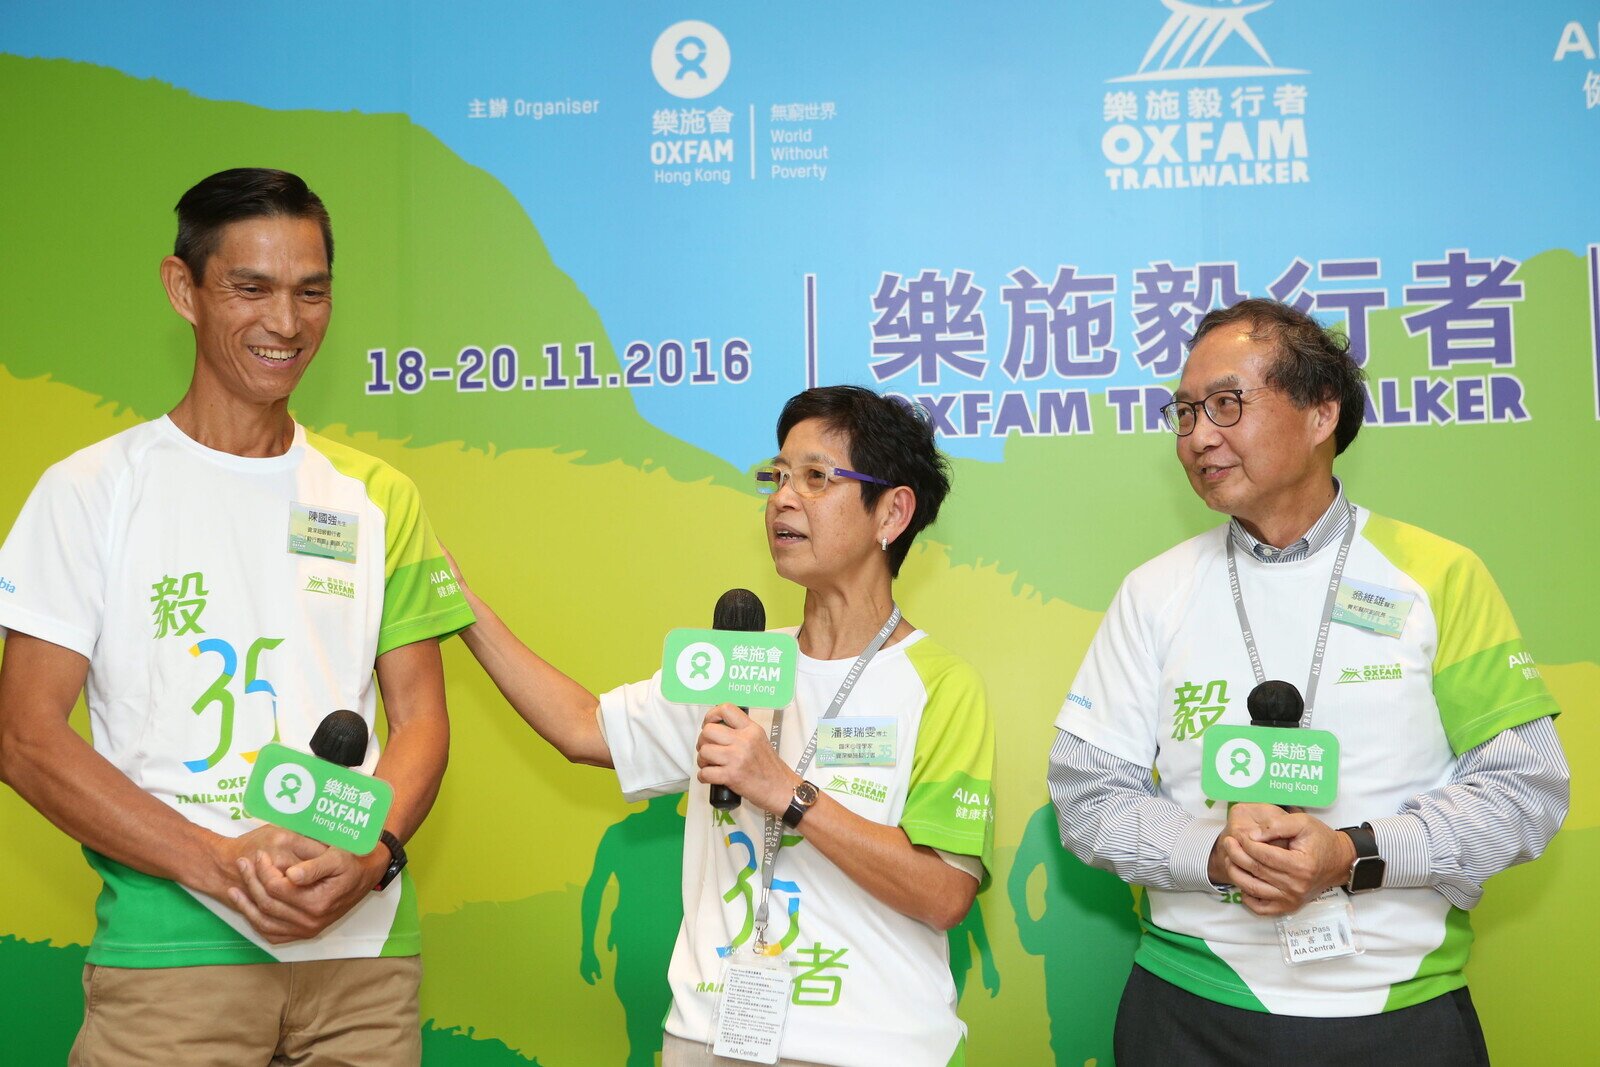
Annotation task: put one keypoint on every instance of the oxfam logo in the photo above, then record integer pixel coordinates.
(1241, 763)
(289, 788)
(690, 59)
(700, 666)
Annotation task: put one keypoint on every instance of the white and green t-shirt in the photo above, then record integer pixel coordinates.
(870, 985)
(1168, 663)
(169, 566)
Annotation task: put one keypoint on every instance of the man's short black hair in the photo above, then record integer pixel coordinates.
(242, 193)
(1313, 363)
(889, 439)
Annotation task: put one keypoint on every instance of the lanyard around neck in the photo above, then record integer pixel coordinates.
(1322, 629)
(772, 833)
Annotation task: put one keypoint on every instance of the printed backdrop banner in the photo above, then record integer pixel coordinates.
(586, 251)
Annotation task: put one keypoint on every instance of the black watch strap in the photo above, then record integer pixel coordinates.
(1366, 873)
(397, 860)
(805, 795)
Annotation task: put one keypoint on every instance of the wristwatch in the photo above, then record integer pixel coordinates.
(1366, 873)
(397, 861)
(805, 795)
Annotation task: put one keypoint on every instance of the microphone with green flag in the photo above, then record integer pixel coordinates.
(736, 662)
(322, 796)
(1273, 760)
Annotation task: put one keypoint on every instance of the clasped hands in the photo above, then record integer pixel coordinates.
(290, 887)
(1278, 859)
(733, 750)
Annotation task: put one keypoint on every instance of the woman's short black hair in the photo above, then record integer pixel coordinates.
(1313, 363)
(889, 439)
(238, 194)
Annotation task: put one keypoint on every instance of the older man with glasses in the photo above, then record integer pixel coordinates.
(1450, 770)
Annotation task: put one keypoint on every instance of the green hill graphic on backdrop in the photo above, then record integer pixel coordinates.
(438, 258)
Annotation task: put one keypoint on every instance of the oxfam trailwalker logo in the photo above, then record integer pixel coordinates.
(1244, 126)
(729, 667)
(1192, 37)
(1372, 672)
(690, 59)
(865, 788)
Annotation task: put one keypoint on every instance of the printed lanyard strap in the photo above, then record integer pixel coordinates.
(1322, 630)
(772, 834)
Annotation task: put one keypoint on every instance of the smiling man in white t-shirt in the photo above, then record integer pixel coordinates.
(211, 581)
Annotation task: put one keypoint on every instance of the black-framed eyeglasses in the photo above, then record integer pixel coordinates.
(1224, 408)
(808, 479)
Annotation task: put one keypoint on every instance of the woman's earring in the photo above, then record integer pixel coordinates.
(884, 542)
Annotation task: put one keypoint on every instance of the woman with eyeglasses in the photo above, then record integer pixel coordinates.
(867, 818)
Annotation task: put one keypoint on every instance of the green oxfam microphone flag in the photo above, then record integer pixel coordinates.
(1273, 760)
(734, 662)
(321, 796)
(752, 670)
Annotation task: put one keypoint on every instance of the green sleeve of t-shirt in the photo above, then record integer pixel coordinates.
(1484, 678)
(421, 598)
(950, 801)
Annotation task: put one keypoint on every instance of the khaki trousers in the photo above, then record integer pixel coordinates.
(324, 1013)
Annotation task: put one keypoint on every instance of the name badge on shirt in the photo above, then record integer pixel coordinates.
(319, 532)
(1324, 929)
(857, 742)
(747, 1019)
(1375, 608)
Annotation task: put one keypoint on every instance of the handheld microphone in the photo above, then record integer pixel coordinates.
(341, 738)
(1274, 760)
(320, 795)
(1276, 703)
(737, 609)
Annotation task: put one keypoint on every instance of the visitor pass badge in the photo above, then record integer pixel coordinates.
(747, 1023)
(1324, 929)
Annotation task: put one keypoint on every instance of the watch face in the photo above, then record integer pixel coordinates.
(1367, 874)
(805, 794)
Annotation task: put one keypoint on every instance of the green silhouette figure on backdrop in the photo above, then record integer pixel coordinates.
(1087, 934)
(966, 935)
(644, 852)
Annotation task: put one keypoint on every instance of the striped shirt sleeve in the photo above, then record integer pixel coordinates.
(1110, 817)
(1503, 803)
